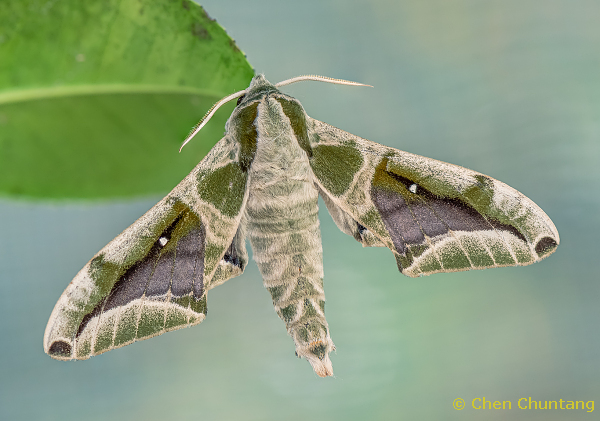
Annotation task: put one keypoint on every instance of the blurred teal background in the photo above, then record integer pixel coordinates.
(507, 88)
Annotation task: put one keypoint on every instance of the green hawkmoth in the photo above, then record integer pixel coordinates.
(262, 181)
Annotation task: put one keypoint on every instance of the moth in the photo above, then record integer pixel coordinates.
(261, 182)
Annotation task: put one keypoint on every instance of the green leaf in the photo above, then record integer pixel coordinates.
(97, 96)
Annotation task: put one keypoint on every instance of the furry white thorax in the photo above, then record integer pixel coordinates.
(280, 176)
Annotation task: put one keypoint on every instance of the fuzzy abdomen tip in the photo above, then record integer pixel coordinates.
(317, 354)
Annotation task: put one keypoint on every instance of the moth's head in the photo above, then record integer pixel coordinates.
(259, 88)
(259, 81)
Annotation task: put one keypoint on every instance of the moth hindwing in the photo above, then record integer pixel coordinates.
(261, 182)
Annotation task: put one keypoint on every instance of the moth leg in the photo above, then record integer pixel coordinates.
(348, 225)
(234, 260)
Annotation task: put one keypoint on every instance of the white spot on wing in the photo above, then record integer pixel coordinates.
(163, 241)
(413, 188)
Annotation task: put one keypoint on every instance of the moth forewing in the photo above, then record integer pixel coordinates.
(262, 182)
(434, 216)
(154, 276)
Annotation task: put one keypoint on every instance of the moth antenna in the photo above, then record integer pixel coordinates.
(208, 116)
(319, 79)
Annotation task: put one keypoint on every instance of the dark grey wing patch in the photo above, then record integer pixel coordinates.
(398, 219)
(160, 280)
(189, 268)
(416, 219)
(173, 264)
(132, 284)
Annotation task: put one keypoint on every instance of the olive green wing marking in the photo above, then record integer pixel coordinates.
(154, 276)
(434, 216)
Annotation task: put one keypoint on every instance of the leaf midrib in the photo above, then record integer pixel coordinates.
(34, 94)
